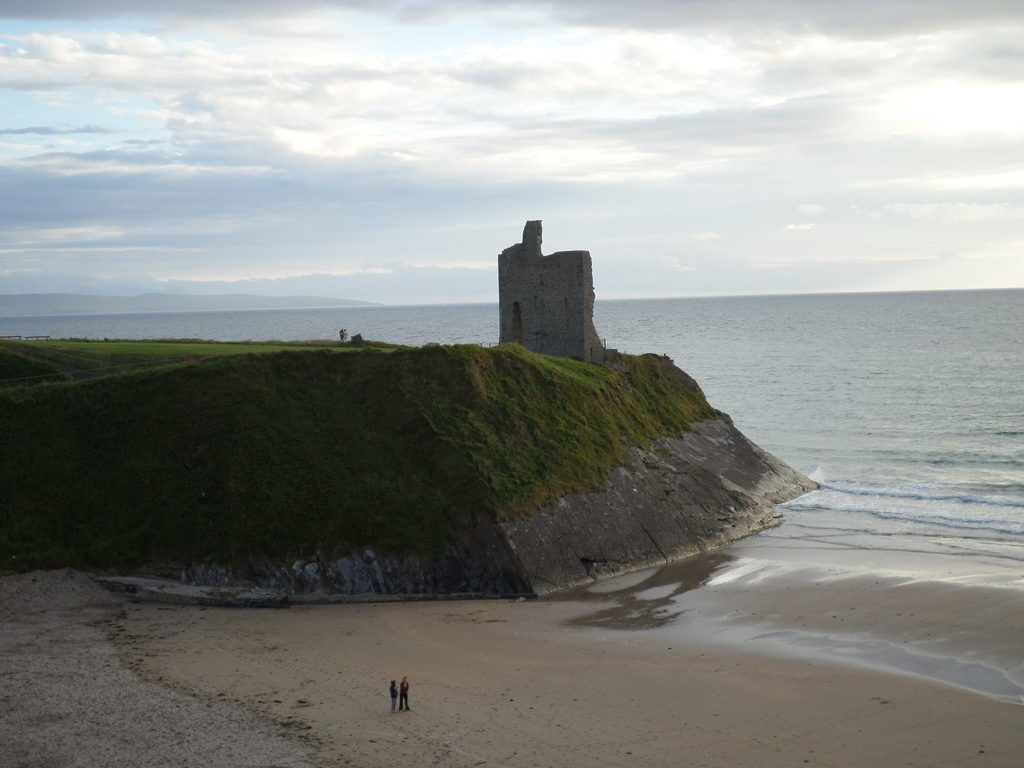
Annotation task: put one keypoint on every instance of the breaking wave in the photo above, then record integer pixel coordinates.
(902, 492)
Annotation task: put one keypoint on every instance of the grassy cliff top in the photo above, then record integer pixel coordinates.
(86, 358)
(278, 453)
(20, 369)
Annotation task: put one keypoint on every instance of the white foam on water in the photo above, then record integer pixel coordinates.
(930, 509)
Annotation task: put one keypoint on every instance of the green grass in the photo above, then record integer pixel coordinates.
(106, 358)
(18, 369)
(281, 453)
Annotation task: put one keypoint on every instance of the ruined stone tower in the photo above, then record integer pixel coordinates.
(546, 303)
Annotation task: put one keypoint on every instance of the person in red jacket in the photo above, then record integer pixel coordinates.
(403, 695)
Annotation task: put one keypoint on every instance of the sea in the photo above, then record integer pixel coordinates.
(906, 408)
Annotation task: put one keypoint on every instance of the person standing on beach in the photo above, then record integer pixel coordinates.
(403, 702)
(394, 696)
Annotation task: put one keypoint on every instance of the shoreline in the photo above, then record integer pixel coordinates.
(737, 657)
(521, 684)
(938, 631)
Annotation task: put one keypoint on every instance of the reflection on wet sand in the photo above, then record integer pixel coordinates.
(646, 600)
(946, 630)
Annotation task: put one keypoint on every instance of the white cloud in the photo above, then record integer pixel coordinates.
(67, 164)
(97, 250)
(1001, 180)
(576, 104)
(954, 108)
(955, 212)
(883, 257)
(1005, 252)
(336, 138)
(28, 237)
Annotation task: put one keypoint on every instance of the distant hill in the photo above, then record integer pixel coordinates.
(12, 305)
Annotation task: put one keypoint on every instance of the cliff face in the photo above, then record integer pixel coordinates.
(441, 470)
(687, 493)
(701, 489)
(481, 562)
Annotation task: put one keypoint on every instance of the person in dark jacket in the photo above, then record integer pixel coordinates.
(394, 695)
(403, 701)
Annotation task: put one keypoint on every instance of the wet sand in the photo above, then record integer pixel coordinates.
(722, 660)
(702, 663)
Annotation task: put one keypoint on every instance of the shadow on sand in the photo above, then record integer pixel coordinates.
(646, 600)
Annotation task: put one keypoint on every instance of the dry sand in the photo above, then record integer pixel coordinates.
(68, 699)
(637, 672)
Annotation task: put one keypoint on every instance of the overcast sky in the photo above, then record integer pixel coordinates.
(387, 150)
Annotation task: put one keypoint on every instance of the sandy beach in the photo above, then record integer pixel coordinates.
(709, 662)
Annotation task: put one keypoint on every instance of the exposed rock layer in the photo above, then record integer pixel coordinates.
(687, 493)
(701, 489)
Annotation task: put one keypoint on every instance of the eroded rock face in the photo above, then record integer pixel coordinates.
(687, 493)
(481, 562)
(702, 489)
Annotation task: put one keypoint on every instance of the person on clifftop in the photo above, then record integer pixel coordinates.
(394, 696)
(403, 701)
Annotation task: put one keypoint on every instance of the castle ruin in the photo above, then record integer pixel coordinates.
(546, 303)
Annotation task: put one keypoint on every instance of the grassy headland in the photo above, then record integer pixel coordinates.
(85, 358)
(18, 369)
(278, 453)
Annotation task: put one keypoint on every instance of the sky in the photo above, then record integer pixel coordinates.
(388, 150)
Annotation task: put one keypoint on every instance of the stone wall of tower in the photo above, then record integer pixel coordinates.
(546, 303)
